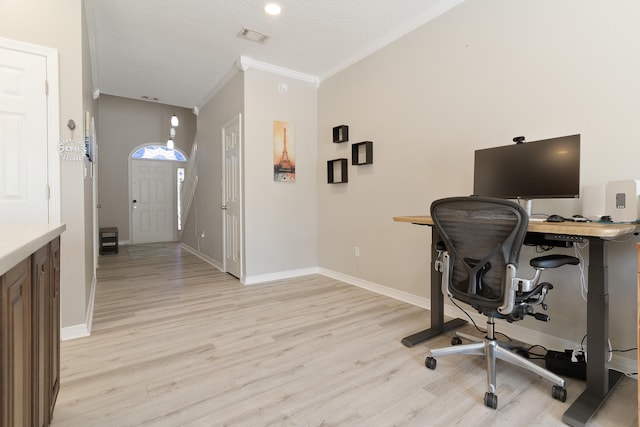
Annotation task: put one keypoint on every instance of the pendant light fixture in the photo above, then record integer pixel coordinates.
(172, 131)
(172, 134)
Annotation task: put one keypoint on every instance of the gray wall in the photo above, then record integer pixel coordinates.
(281, 218)
(476, 77)
(122, 125)
(59, 25)
(206, 215)
(90, 105)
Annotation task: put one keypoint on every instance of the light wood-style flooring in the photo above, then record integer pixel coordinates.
(177, 343)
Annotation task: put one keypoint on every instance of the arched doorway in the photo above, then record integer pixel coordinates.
(155, 174)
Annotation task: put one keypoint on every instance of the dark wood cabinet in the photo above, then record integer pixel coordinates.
(30, 343)
(41, 286)
(16, 345)
(54, 315)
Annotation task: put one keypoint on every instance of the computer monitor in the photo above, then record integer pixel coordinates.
(545, 169)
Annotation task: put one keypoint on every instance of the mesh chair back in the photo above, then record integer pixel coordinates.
(482, 235)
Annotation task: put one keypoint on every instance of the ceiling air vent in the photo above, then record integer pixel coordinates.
(253, 36)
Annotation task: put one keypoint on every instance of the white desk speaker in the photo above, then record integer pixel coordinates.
(622, 200)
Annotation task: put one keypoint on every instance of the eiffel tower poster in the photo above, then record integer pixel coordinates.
(284, 152)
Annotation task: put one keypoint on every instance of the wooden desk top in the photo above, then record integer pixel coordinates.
(587, 229)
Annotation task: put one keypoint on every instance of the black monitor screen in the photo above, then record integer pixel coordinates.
(543, 169)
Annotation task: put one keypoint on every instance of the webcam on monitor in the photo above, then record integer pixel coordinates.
(519, 139)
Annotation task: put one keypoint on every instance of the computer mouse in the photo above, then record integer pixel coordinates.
(555, 218)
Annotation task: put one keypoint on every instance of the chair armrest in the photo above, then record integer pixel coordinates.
(553, 261)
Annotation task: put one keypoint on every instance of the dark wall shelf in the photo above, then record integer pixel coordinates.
(340, 134)
(337, 171)
(362, 153)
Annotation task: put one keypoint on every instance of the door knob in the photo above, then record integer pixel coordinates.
(224, 207)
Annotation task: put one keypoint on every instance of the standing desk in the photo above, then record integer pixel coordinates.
(600, 379)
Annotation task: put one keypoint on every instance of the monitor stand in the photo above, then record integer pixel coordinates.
(528, 206)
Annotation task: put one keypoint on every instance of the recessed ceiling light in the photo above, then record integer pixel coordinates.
(272, 9)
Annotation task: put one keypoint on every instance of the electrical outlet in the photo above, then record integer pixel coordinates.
(357, 251)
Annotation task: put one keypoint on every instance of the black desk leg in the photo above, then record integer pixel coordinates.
(438, 325)
(600, 380)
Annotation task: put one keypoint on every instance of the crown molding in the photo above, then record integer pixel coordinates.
(245, 63)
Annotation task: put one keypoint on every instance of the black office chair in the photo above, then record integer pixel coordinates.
(478, 250)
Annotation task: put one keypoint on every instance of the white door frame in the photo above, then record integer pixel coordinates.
(53, 118)
(95, 201)
(237, 118)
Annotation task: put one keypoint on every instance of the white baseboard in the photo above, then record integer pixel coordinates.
(202, 256)
(379, 289)
(256, 279)
(513, 330)
(73, 332)
(92, 297)
(84, 329)
(280, 275)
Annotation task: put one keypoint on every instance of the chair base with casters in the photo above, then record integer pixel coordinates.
(493, 349)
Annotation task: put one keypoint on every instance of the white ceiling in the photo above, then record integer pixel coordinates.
(182, 51)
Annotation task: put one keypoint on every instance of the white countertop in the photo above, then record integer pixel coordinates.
(19, 241)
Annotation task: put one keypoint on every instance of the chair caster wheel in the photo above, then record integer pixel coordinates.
(490, 400)
(456, 341)
(430, 363)
(559, 393)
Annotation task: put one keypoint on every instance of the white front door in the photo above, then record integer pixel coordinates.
(232, 194)
(153, 201)
(23, 138)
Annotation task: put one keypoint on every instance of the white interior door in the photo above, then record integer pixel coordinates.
(232, 195)
(24, 187)
(153, 201)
